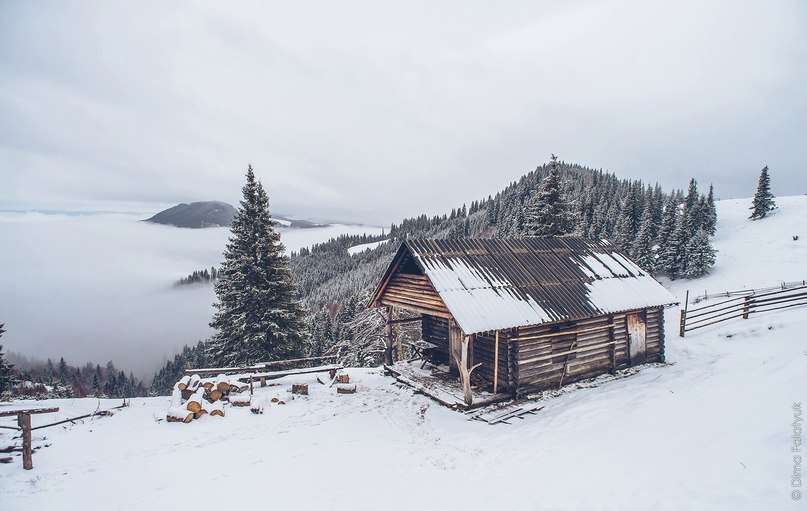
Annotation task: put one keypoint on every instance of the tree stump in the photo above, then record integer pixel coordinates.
(344, 378)
(300, 388)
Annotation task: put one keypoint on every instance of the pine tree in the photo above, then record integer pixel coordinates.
(711, 212)
(96, 386)
(6, 379)
(700, 255)
(643, 246)
(547, 214)
(258, 314)
(672, 259)
(62, 368)
(47, 375)
(694, 215)
(763, 200)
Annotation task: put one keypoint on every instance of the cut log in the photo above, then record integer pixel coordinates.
(194, 403)
(223, 386)
(194, 381)
(208, 385)
(186, 394)
(257, 410)
(214, 395)
(343, 378)
(343, 388)
(275, 399)
(198, 414)
(183, 382)
(179, 415)
(214, 409)
(238, 387)
(239, 400)
(300, 388)
(176, 398)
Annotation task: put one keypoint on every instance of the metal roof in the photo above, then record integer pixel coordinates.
(492, 284)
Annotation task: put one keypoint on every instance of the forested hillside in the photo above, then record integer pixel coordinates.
(666, 232)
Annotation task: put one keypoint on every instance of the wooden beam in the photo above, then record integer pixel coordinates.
(496, 365)
(556, 355)
(388, 337)
(406, 320)
(24, 422)
(28, 411)
(562, 333)
(397, 329)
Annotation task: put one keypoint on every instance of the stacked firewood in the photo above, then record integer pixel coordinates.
(194, 397)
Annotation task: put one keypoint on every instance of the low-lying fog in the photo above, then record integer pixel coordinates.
(100, 287)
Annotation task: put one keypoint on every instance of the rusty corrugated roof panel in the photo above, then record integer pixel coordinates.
(491, 284)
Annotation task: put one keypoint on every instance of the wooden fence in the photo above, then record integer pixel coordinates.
(745, 292)
(740, 307)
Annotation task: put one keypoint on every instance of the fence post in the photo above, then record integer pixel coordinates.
(745, 306)
(682, 323)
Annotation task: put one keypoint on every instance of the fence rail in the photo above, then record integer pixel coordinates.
(745, 292)
(741, 307)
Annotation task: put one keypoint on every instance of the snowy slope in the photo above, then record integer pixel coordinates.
(711, 430)
(355, 249)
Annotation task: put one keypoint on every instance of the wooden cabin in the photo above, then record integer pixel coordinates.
(537, 312)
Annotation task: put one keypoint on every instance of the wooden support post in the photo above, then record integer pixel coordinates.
(612, 341)
(746, 304)
(388, 338)
(682, 324)
(24, 422)
(263, 381)
(496, 365)
(397, 331)
(471, 350)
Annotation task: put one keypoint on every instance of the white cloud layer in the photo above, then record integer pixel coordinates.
(99, 287)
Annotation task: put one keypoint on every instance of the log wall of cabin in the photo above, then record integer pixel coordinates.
(484, 352)
(415, 293)
(655, 334)
(541, 351)
(435, 331)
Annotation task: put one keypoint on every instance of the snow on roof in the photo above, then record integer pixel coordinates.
(491, 284)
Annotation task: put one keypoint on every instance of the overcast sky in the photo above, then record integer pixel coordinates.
(371, 111)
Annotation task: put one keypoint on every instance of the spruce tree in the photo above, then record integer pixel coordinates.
(642, 251)
(258, 314)
(547, 214)
(6, 379)
(711, 212)
(694, 216)
(700, 255)
(763, 200)
(672, 259)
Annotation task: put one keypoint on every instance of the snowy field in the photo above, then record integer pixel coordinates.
(100, 287)
(711, 430)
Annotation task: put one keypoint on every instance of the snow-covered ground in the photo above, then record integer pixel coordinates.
(711, 430)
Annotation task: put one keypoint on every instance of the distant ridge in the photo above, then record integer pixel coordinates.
(196, 215)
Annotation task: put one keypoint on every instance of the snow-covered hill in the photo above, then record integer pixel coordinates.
(711, 430)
